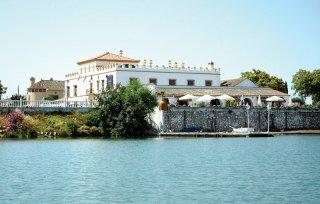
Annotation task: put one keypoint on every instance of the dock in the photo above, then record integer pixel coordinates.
(215, 134)
(230, 134)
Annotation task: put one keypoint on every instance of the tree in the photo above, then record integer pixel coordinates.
(124, 110)
(49, 98)
(263, 79)
(17, 97)
(307, 83)
(3, 89)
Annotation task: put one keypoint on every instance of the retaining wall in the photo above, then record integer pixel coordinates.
(180, 119)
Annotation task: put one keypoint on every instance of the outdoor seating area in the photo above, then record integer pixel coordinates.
(225, 100)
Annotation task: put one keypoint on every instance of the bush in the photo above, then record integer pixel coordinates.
(72, 128)
(32, 134)
(92, 119)
(124, 110)
(15, 122)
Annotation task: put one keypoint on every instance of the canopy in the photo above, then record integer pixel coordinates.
(187, 97)
(225, 97)
(205, 98)
(274, 98)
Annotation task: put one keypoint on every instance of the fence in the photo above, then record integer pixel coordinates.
(47, 104)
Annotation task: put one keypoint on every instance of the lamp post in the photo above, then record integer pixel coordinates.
(269, 108)
(248, 107)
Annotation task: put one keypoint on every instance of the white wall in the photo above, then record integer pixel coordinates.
(163, 77)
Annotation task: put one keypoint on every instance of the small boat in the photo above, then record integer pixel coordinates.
(242, 130)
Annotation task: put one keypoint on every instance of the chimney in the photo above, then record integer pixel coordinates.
(51, 79)
(32, 80)
(121, 52)
(211, 65)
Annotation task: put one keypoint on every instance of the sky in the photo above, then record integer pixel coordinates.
(46, 38)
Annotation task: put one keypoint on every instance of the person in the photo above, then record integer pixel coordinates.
(163, 106)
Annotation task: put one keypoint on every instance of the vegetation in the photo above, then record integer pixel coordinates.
(49, 98)
(48, 126)
(124, 110)
(263, 79)
(18, 97)
(307, 83)
(3, 90)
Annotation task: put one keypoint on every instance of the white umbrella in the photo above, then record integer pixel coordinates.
(205, 98)
(290, 101)
(259, 103)
(225, 97)
(187, 97)
(274, 98)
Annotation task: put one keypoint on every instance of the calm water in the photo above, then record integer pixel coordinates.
(243, 170)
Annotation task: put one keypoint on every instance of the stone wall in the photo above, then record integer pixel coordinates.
(180, 119)
(43, 110)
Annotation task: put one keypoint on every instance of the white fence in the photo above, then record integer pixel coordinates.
(46, 104)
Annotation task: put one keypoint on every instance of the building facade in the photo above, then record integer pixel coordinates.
(94, 74)
(45, 88)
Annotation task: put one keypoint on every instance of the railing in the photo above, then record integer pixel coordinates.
(47, 104)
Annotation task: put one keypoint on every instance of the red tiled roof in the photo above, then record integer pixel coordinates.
(110, 57)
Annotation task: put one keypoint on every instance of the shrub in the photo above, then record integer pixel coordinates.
(92, 119)
(15, 122)
(124, 110)
(72, 128)
(32, 134)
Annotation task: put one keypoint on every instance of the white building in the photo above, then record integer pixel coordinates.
(94, 74)
(172, 81)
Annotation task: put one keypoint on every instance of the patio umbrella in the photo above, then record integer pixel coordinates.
(259, 103)
(187, 97)
(290, 101)
(205, 99)
(274, 98)
(225, 97)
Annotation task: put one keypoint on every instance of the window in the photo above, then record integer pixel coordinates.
(75, 90)
(153, 81)
(98, 86)
(190, 82)
(102, 85)
(172, 82)
(68, 91)
(91, 88)
(208, 82)
(133, 66)
(110, 80)
(126, 66)
(131, 79)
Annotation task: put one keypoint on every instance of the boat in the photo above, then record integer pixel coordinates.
(243, 130)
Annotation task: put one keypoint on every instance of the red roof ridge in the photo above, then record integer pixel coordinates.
(108, 56)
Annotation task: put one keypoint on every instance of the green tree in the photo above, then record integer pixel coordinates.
(307, 83)
(124, 110)
(263, 79)
(3, 89)
(17, 97)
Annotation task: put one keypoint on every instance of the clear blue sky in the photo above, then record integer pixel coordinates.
(45, 38)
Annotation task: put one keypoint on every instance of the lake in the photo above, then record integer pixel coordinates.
(284, 169)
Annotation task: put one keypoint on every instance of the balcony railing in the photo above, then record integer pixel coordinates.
(47, 104)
